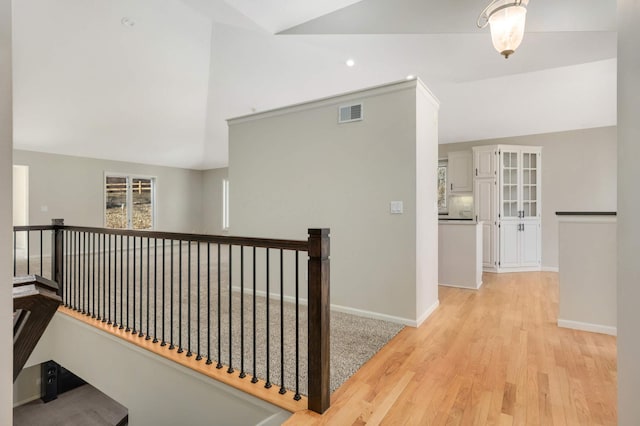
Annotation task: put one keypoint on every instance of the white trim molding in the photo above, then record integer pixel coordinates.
(585, 326)
(462, 286)
(550, 269)
(426, 314)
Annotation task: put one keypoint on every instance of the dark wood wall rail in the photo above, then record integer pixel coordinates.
(220, 299)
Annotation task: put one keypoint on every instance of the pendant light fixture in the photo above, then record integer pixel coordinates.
(506, 19)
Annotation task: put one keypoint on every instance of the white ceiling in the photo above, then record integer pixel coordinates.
(159, 92)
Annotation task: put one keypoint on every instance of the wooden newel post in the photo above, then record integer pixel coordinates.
(57, 256)
(319, 312)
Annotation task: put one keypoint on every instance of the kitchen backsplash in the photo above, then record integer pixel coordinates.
(461, 206)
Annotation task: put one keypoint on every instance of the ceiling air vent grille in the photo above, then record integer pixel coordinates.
(349, 113)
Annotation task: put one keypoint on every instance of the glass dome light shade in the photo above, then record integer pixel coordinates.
(507, 28)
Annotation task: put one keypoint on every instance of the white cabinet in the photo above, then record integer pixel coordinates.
(484, 161)
(516, 198)
(519, 216)
(485, 210)
(460, 167)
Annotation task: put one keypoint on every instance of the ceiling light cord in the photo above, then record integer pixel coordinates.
(483, 19)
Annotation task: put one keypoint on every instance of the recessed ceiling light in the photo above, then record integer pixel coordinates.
(350, 62)
(127, 22)
(411, 77)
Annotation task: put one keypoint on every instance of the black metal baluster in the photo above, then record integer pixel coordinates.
(65, 284)
(109, 285)
(163, 343)
(198, 357)
(155, 290)
(87, 273)
(282, 390)
(148, 286)
(15, 253)
(114, 322)
(93, 277)
(41, 245)
(28, 252)
(104, 277)
(69, 271)
(189, 299)
(268, 383)
(140, 334)
(121, 282)
(254, 379)
(87, 268)
(242, 372)
(77, 272)
(180, 350)
(171, 345)
(81, 267)
(127, 328)
(98, 317)
(209, 362)
(219, 364)
(133, 274)
(230, 369)
(297, 396)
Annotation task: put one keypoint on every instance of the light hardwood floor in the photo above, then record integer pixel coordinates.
(493, 356)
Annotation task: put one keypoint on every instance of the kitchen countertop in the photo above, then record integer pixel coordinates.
(457, 222)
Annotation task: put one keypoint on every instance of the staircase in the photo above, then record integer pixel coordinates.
(35, 301)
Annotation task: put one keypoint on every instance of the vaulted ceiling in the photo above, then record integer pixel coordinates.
(153, 81)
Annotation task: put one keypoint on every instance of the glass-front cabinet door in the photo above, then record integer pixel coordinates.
(510, 180)
(530, 185)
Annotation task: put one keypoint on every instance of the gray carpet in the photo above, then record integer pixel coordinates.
(83, 406)
(354, 339)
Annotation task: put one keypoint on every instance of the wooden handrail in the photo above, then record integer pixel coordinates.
(35, 301)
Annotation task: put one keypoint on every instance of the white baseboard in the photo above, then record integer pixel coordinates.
(550, 269)
(346, 309)
(426, 314)
(585, 326)
(26, 400)
(373, 315)
(461, 286)
(275, 419)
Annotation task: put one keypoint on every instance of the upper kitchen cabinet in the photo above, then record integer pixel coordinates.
(484, 160)
(460, 171)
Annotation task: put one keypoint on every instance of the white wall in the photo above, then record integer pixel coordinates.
(297, 168)
(72, 188)
(157, 391)
(587, 299)
(628, 207)
(579, 172)
(426, 204)
(212, 200)
(6, 171)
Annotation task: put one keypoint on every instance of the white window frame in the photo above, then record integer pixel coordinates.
(129, 198)
(445, 209)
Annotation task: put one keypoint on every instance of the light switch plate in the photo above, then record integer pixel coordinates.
(396, 207)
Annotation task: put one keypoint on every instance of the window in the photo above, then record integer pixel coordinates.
(442, 187)
(129, 202)
(225, 204)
